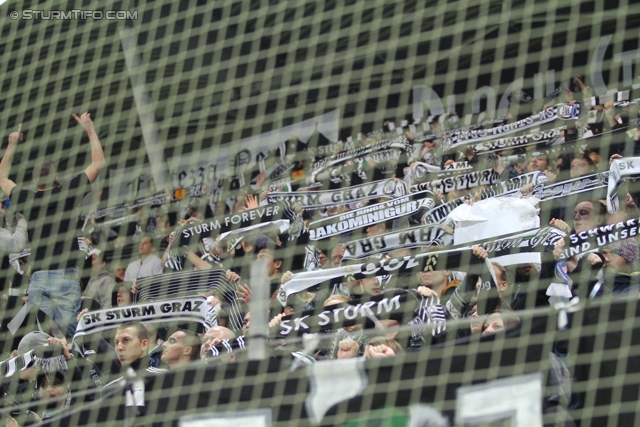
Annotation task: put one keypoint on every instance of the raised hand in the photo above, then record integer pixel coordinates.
(232, 277)
(480, 252)
(56, 342)
(558, 248)
(286, 277)
(378, 351)
(613, 157)
(426, 292)
(252, 202)
(243, 294)
(85, 121)
(439, 194)
(560, 225)
(82, 313)
(347, 349)
(273, 323)
(15, 137)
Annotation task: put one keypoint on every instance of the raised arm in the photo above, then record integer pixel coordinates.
(5, 166)
(97, 154)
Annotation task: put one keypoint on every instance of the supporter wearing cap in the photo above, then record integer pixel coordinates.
(52, 387)
(621, 259)
(438, 281)
(181, 349)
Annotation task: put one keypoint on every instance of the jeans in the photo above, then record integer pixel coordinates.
(57, 293)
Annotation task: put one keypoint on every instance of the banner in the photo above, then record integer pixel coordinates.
(197, 231)
(582, 184)
(391, 188)
(450, 258)
(277, 227)
(409, 238)
(193, 309)
(459, 182)
(463, 138)
(350, 313)
(548, 138)
(600, 237)
(378, 152)
(369, 215)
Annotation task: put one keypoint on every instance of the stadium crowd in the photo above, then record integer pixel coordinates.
(336, 259)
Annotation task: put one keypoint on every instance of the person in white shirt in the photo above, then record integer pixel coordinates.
(148, 264)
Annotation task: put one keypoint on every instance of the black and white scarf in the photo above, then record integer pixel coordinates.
(369, 215)
(620, 169)
(451, 258)
(190, 309)
(192, 282)
(228, 346)
(390, 188)
(16, 364)
(409, 238)
(458, 139)
(419, 172)
(247, 220)
(582, 184)
(397, 304)
(547, 138)
(459, 182)
(377, 152)
(475, 126)
(599, 237)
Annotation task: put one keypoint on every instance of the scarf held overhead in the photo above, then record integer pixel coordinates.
(369, 215)
(193, 309)
(390, 188)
